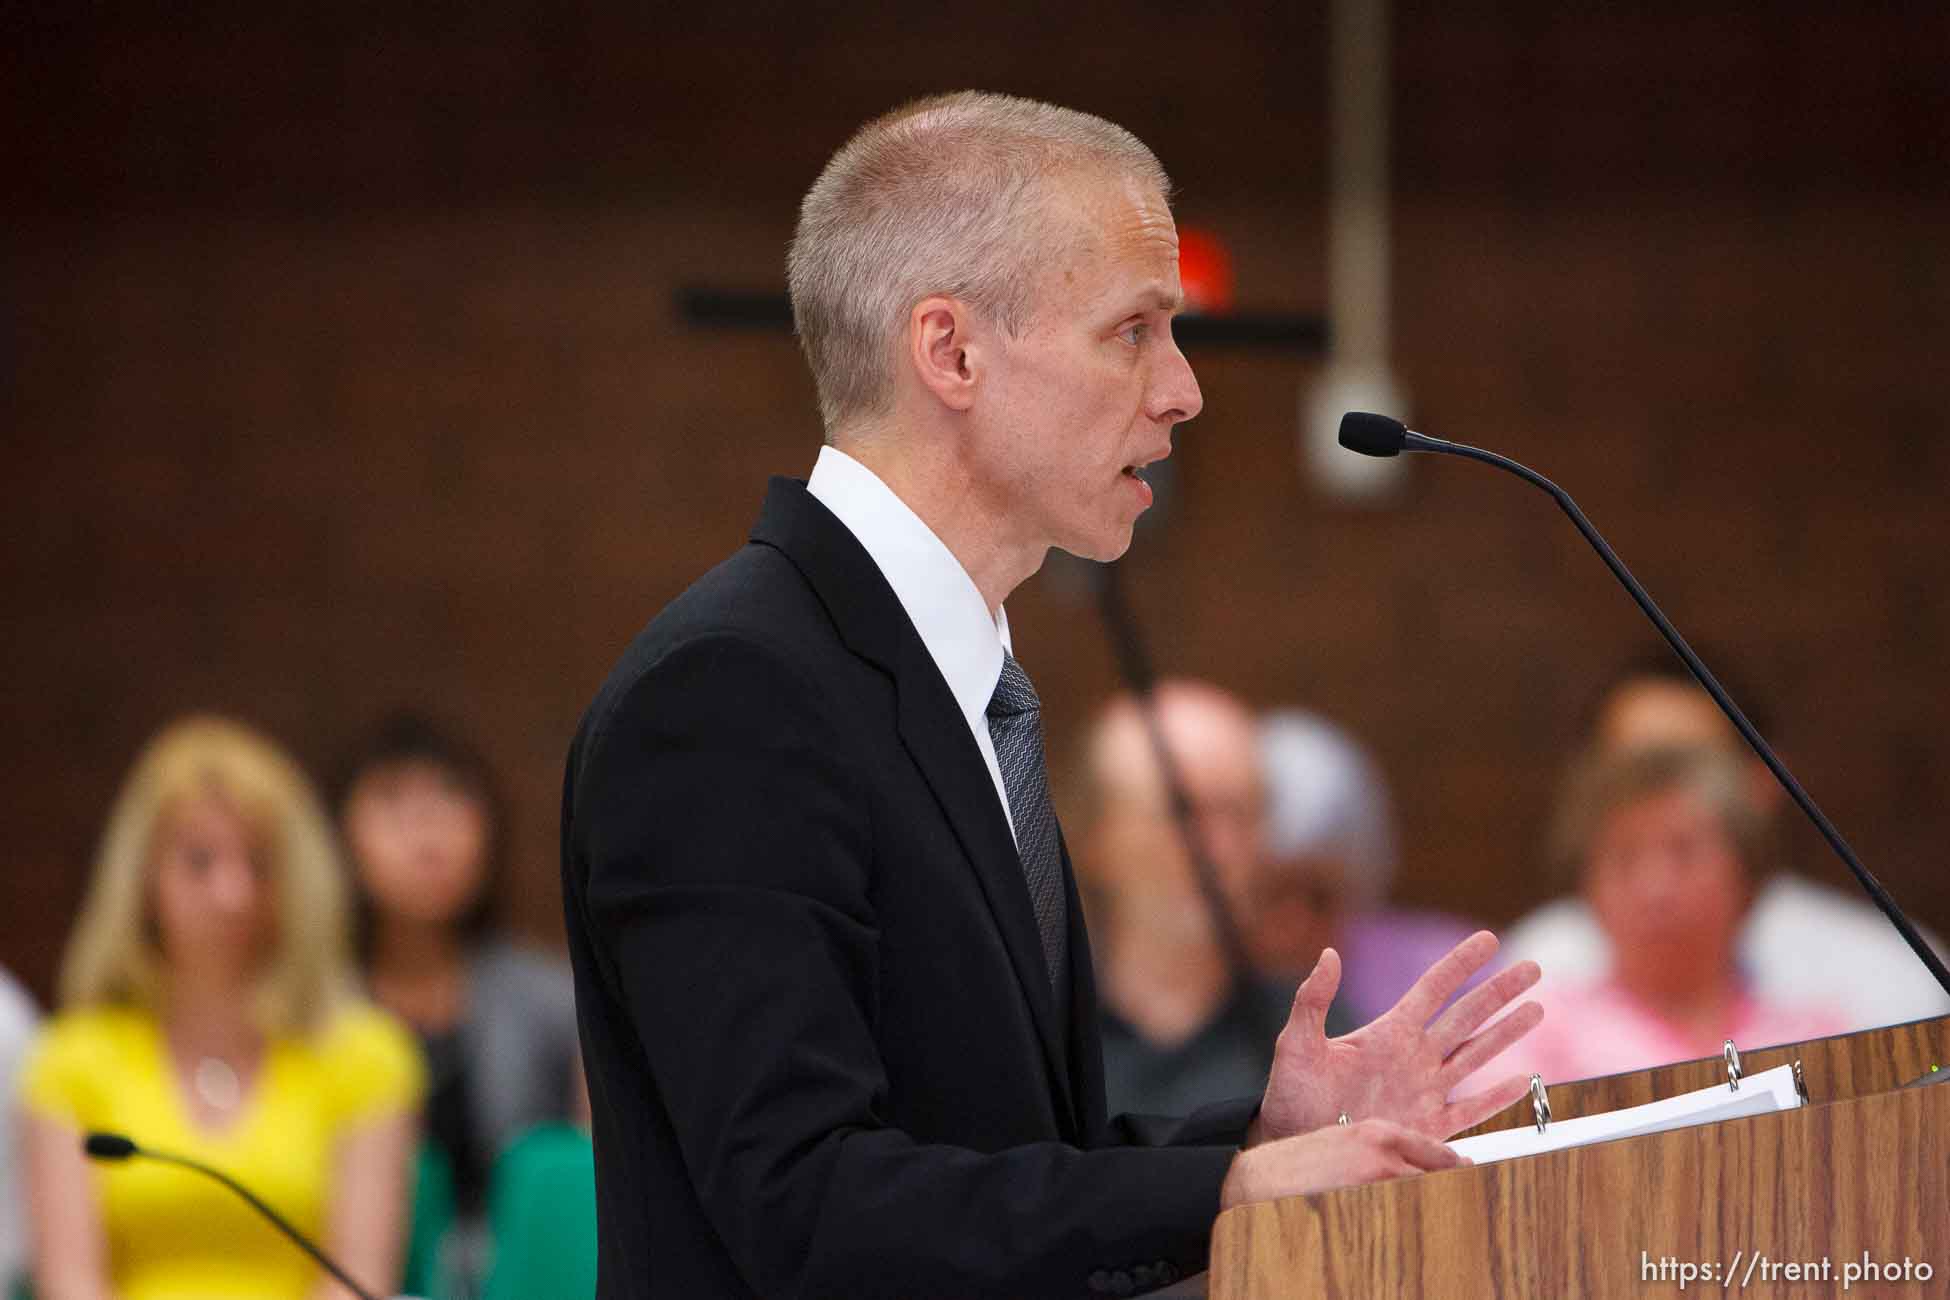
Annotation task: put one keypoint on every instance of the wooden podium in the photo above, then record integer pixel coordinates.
(1864, 1167)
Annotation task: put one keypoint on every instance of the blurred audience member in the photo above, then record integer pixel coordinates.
(17, 1023)
(1330, 858)
(423, 829)
(1179, 1030)
(1668, 848)
(1801, 940)
(205, 1010)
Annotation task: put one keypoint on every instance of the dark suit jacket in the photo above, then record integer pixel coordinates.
(822, 1048)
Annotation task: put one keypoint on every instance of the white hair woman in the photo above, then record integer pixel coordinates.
(206, 1009)
(1330, 860)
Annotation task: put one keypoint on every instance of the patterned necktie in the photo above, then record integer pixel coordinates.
(1016, 727)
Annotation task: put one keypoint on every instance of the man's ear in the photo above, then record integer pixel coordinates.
(941, 349)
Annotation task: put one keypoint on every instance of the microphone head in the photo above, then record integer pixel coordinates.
(1372, 435)
(108, 1146)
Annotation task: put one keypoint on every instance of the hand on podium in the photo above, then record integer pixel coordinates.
(1399, 1069)
(1336, 1156)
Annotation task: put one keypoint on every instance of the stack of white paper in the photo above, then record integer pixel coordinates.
(1759, 1094)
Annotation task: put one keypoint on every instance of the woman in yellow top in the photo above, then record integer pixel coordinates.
(206, 1010)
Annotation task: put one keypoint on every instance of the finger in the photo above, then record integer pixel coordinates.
(1421, 1150)
(1316, 994)
(1482, 1002)
(1379, 1163)
(1474, 1109)
(1441, 980)
(1485, 1047)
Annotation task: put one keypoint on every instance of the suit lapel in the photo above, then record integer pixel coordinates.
(935, 733)
(938, 739)
(1086, 1044)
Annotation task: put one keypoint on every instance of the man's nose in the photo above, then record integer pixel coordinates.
(1176, 397)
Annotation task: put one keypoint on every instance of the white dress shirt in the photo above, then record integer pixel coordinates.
(966, 641)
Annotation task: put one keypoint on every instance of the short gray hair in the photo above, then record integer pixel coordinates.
(945, 195)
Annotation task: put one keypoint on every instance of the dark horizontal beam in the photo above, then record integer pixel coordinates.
(733, 309)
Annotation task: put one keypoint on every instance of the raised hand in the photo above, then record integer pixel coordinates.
(1403, 1065)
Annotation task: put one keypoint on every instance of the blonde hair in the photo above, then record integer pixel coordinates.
(113, 957)
(945, 195)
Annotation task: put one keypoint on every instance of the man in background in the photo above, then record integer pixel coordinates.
(1182, 1024)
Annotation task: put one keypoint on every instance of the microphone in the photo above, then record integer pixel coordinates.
(1379, 435)
(114, 1146)
(1372, 435)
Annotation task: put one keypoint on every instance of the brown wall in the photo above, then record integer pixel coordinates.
(343, 371)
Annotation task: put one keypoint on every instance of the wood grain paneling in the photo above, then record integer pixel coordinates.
(1862, 1171)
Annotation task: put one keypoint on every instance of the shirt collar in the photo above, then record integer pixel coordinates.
(965, 641)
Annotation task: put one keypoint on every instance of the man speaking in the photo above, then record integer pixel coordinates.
(835, 991)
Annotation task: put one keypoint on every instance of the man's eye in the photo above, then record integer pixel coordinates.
(1134, 333)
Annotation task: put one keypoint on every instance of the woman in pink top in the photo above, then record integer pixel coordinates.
(1667, 845)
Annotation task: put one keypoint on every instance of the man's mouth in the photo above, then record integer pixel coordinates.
(1137, 467)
